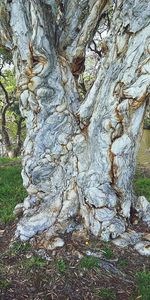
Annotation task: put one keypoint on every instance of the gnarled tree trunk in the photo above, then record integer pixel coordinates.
(79, 157)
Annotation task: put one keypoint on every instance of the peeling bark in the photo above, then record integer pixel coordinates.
(79, 158)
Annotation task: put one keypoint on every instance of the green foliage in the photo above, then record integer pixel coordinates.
(34, 262)
(18, 247)
(142, 187)
(11, 191)
(5, 284)
(107, 252)
(12, 113)
(9, 80)
(122, 262)
(89, 262)
(143, 282)
(5, 160)
(61, 266)
(107, 294)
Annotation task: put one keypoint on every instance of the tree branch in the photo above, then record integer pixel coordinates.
(5, 29)
(95, 49)
(5, 93)
(85, 36)
(73, 18)
(5, 135)
(19, 140)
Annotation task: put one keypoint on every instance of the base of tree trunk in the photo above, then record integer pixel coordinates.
(46, 230)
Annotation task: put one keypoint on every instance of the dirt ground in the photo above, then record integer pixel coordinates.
(69, 273)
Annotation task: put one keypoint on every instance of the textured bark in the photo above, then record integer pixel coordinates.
(79, 158)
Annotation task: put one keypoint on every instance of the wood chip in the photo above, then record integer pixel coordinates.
(1, 233)
(146, 237)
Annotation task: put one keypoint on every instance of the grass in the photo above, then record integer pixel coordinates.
(106, 294)
(89, 262)
(61, 266)
(4, 160)
(143, 283)
(18, 247)
(107, 252)
(4, 284)
(122, 262)
(142, 187)
(34, 262)
(11, 191)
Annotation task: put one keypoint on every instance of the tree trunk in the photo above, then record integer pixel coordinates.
(8, 145)
(79, 158)
(17, 150)
(5, 135)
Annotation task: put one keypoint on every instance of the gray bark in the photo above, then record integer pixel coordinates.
(79, 158)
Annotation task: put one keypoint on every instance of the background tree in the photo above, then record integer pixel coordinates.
(79, 155)
(147, 118)
(11, 120)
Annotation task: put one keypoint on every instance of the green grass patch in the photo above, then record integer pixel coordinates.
(5, 160)
(107, 252)
(142, 187)
(18, 247)
(122, 262)
(106, 293)
(143, 284)
(89, 262)
(61, 266)
(4, 284)
(34, 262)
(11, 191)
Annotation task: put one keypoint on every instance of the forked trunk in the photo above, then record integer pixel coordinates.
(79, 158)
